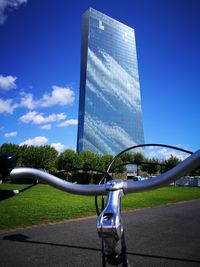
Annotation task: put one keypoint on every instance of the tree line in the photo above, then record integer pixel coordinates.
(68, 163)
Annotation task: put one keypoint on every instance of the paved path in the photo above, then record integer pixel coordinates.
(162, 236)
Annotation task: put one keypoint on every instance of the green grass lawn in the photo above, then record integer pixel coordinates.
(44, 203)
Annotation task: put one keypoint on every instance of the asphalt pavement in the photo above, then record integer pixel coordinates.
(162, 236)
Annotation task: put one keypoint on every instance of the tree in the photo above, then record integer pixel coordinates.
(89, 159)
(170, 163)
(41, 157)
(118, 166)
(91, 162)
(69, 160)
(127, 157)
(138, 158)
(152, 166)
(106, 160)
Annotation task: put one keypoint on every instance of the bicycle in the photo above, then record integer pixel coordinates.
(109, 224)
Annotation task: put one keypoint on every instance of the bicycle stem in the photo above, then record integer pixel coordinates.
(109, 225)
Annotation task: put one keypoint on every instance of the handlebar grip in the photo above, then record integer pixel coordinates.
(7, 163)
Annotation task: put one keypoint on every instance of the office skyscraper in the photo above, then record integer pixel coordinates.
(110, 116)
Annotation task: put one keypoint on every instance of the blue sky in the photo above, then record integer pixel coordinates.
(40, 64)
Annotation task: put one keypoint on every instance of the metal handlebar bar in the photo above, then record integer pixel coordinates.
(79, 189)
(174, 174)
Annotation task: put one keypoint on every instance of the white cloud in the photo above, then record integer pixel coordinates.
(67, 123)
(37, 141)
(46, 127)
(7, 106)
(8, 5)
(58, 96)
(37, 118)
(9, 135)
(7, 82)
(164, 153)
(58, 146)
(28, 101)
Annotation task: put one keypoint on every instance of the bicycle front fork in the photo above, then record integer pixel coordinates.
(110, 228)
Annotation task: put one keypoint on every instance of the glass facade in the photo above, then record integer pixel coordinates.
(110, 115)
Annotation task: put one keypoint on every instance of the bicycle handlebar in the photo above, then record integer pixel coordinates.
(174, 174)
(79, 189)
